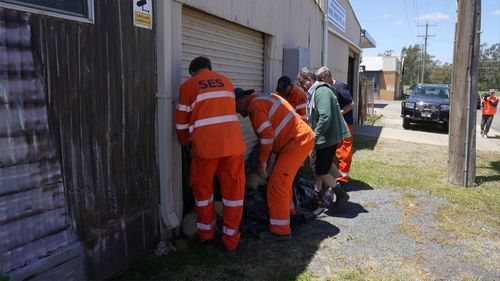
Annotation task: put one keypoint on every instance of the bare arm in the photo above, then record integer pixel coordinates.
(348, 107)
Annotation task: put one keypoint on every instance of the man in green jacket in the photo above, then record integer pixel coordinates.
(329, 126)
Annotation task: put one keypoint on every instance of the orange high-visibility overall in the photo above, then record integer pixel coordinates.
(281, 131)
(298, 100)
(206, 116)
(344, 156)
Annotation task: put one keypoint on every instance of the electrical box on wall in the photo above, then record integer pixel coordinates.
(294, 59)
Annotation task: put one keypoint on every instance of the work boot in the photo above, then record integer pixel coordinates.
(230, 254)
(269, 236)
(208, 245)
(341, 198)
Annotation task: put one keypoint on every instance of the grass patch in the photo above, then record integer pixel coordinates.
(372, 119)
(402, 166)
(174, 263)
(405, 273)
(410, 210)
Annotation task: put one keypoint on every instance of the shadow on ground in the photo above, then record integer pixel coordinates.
(255, 260)
(429, 128)
(356, 185)
(494, 165)
(366, 143)
(351, 211)
(380, 105)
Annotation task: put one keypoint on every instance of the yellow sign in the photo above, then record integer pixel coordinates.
(143, 13)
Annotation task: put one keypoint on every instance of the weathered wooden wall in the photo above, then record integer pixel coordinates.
(101, 88)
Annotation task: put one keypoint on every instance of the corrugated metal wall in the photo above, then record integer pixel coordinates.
(33, 216)
(101, 82)
(235, 51)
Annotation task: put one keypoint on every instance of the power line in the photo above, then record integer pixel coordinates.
(424, 53)
(408, 18)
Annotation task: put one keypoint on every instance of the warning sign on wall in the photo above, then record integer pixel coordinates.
(143, 13)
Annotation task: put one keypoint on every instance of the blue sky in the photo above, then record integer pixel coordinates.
(394, 24)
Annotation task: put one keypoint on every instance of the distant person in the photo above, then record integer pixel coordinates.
(206, 118)
(329, 127)
(490, 103)
(280, 130)
(346, 103)
(294, 95)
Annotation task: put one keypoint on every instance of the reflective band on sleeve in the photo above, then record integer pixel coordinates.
(266, 141)
(228, 231)
(300, 106)
(212, 121)
(276, 104)
(203, 226)
(182, 126)
(344, 174)
(283, 123)
(182, 107)
(213, 95)
(232, 203)
(279, 222)
(303, 117)
(263, 126)
(204, 203)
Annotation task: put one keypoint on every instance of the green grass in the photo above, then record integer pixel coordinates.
(174, 263)
(372, 119)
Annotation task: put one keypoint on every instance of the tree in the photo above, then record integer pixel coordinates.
(440, 73)
(489, 67)
(411, 64)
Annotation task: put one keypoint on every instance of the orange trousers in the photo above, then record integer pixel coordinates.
(344, 157)
(279, 187)
(231, 173)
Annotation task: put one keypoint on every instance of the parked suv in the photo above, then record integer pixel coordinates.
(428, 103)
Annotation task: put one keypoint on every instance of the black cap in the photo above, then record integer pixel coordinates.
(283, 83)
(239, 92)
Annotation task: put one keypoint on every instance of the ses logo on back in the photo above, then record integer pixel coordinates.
(212, 83)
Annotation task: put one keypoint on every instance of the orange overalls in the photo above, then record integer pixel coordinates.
(344, 156)
(282, 131)
(206, 116)
(298, 100)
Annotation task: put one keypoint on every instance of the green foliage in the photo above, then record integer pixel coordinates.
(489, 68)
(411, 64)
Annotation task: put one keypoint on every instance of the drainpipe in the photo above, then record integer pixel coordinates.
(164, 111)
(325, 39)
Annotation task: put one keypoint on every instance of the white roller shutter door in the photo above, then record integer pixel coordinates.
(235, 51)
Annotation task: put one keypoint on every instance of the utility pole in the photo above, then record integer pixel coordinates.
(424, 54)
(462, 129)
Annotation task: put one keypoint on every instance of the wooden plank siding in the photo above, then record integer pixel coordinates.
(101, 86)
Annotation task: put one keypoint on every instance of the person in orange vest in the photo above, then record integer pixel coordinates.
(206, 119)
(294, 95)
(346, 103)
(490, 103)
(280, 130)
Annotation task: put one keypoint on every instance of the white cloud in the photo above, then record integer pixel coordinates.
(386, 16)
(434, 17)
(496, 12)
(398, 23)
